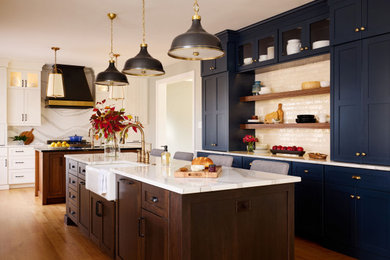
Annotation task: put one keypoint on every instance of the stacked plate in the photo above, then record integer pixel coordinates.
(305, 119)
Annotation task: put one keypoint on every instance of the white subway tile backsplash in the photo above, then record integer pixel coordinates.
(288, 79)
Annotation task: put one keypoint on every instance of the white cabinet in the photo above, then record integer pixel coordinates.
(21, 166)
(3, 104)
(3, 167)
(24, 98)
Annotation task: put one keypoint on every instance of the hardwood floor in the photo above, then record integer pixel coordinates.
(31, 231)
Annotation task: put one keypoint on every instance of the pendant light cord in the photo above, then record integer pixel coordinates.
(143, 23)
(112, 41)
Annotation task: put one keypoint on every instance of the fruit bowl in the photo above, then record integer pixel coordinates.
(300, 153)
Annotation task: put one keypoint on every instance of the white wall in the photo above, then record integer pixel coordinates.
(179, 117)
(173, 70)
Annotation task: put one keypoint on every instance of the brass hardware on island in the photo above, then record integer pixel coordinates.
(142, 156)
(352, 196)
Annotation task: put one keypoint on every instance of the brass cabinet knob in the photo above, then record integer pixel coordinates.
(357, 29)
(254, 60)
(302, 49)
(306, 171)
(357, 154)
(250, 164)
(364, 154)
(212, 68)
(358, 197)
(362, 28)
(352, 196)
(306, 48)
(356, 177)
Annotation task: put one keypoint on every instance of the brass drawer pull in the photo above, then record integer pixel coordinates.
(358, 197)
(364, 154)
(357, 154)
(356, 177)
(306, 171)
(306, 48)
(362, 28)
(357, 29)
(352, 196)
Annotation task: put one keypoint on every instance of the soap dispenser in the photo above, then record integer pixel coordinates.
(165, 156)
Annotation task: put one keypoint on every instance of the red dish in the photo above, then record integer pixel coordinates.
(300, 153)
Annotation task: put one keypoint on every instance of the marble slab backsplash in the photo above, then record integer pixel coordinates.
(288, 79)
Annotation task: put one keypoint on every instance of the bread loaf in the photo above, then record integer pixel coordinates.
(202, 161)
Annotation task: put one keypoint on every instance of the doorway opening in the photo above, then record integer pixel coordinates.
(175, 113)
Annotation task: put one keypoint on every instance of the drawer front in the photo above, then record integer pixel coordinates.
(81, 170)
(341, 175)
(314, 172)
(72, 166)
(73, 197)
(3, 152)
(72, 182)
(21, 176)
(374, 180)
(22, 151)
(155, 199)
(21, 162)
(72, 212)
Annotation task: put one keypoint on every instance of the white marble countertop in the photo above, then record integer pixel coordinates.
(163, 176)
(303, 159)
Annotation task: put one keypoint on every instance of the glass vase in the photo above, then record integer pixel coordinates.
(250, 147)
(111, 146)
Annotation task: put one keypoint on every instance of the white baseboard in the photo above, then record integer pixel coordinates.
(24, 185)
(4, 187)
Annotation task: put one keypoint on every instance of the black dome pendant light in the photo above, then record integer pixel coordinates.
(143, 64)
(111, 76)
(196, 43)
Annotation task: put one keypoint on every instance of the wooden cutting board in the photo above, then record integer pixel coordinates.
(29, 135)
(201, 174)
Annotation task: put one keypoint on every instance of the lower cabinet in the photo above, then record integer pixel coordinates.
(102, 226)
(84, 207)
(154, 235)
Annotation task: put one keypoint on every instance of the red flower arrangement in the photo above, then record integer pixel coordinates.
(107, 121)
(249, 139)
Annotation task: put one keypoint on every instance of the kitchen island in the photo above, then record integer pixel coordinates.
(241, 215)
(50, 170)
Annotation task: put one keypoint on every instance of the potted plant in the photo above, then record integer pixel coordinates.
(109, 124)
(20, 139)
(250, 140)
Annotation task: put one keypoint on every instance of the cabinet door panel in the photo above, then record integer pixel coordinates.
(209, 112)
(3, 171)
(95, 231)
(339, 217)
(84, 207)
(33, 107)
(373, 215)
(128, 214)
(155, 241)
(346, 96)
(57, 180)
(108, 227)
(345, 18)
(376, 18)
(15, 106)
(376, 99)
(222, 112)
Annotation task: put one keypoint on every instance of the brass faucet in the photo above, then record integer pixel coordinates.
(142, 158)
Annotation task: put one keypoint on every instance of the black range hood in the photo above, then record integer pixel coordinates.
(76, 89)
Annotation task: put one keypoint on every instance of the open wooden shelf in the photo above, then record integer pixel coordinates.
(295, 93)
(291, 125)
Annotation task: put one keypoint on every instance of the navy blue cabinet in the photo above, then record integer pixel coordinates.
(357, 212)
(356, 19)
(309, 200)
(227, 62)
(223, 112)
(361, 101)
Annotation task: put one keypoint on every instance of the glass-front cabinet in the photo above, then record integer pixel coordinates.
(260, 49)
(24, 79)
(303, 39)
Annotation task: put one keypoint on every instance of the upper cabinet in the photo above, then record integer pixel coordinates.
(361, 101)
(24, 97)
(225, 63)
(304, 39)
(356, 19)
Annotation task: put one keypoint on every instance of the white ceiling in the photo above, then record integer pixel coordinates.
(28, 28)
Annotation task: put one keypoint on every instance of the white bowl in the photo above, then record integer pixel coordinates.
(265, 90)
(262, 146)
(320, 44)
(197, 168)
(248, 61)
(324, 83)
(263, 57)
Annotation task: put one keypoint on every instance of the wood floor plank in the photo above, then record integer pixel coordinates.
(31, 231)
